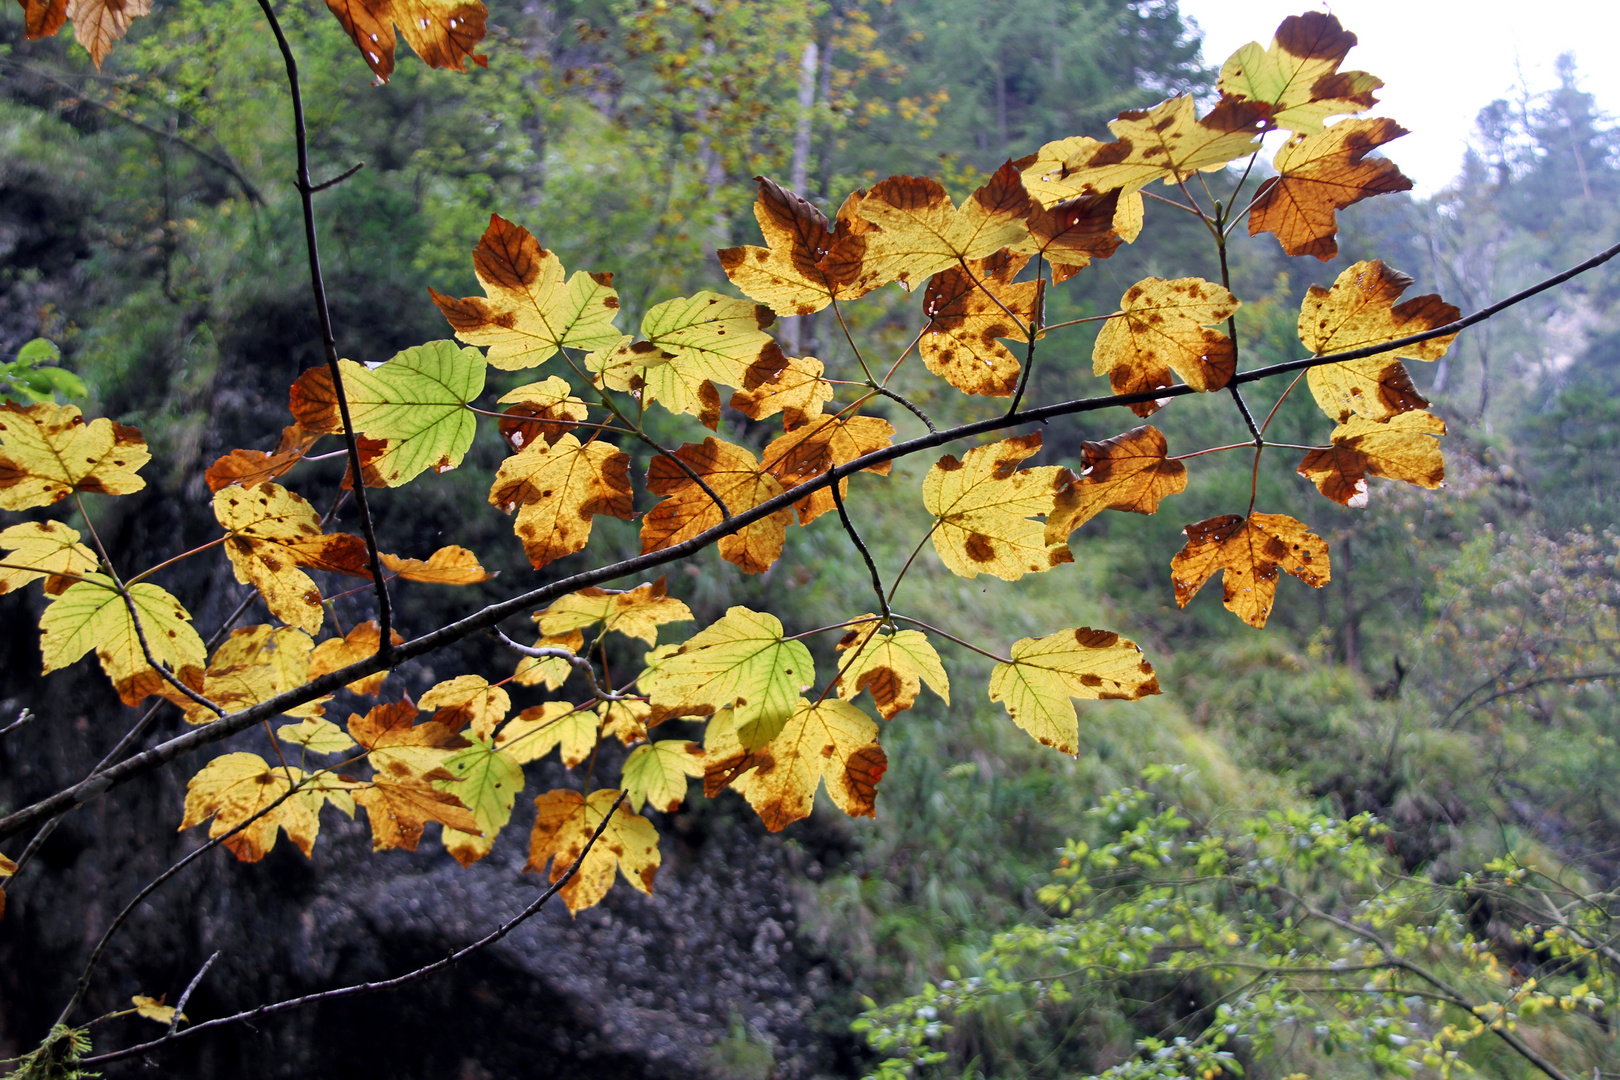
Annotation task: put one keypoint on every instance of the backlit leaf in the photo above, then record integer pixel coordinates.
(830, 741)
(233, 788)
(154, 1009)
(284, 652)
(552, 671)
(787, 275)
(273, 532)
(1047, 672)
(892, 667)
(442, 32)
(416, 402)
(969, 308)
(400, 808)
(468, 701)
(541, 410)
(1358, 311)
(250, 468)
(536, 731)
(1128, 472)
(47, 452)
(657, 772)
(775, 383)
(316, 735)
(1072, 232)
(923, 232)
(360, 643)
(1248, 552)
(528, 312)
(453, 565)
(707, 338)
(1400, 448)
(557, 489)
(92, 615)
(984, 505)
(1168, 142)
(637, 612)
(1320, 174)
(1298, 78)
(486, 781)
(401, 749)
(817, 445)
(41, 549)
(740, 661)
(1165, 328)
(687, 510)
(563, 825)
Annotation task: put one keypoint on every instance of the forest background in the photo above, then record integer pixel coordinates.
(1456, 679)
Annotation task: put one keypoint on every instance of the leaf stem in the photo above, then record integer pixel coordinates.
(855, 538)
(1031, 333)
(953, 637)
(1077, 322)
(144, 574)
(1280, 400)
(912, 558)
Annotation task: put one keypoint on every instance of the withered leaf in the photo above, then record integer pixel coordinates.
(452, 565)
(687, 510)
(787, 275)
(1165, 327)
(48, 452)
(1320, 174)
(544, 409)
(776, 383)
(250, 468)
(828, 741)
(1400, 448)
(1248, 552)
(557, 489)
(814, 447)
(564, 823)
(634, 612)
(1359, 311)
(892, 667)
(1298, 78)
(969, 308)
(360, 643)
(1128, 472)
(271, 533)
(442, 32)
(1045, 673)
(468, 701)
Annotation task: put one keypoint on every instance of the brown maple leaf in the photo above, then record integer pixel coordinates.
(1400, 448)
(969, 308)
(687, 510)
(442, 32)
(1164, 327)
(1128, 472)
(813, 448)
(250, 468)
(1320, 174)
(787, 275)
(1248, 552)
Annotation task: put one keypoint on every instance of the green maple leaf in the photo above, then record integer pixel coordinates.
(487, 782)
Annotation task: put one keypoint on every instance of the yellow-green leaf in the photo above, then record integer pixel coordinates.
(92, 615)
(657, 772)
(47, 452)
(486, 780)
(1045, 673)
(41, 549)
(316, 735)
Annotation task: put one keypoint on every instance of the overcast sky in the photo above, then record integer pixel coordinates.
(1442, 60)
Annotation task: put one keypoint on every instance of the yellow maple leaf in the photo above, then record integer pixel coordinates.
(153, 1009)
(969, 308)
(468, 701)
(1359, 311)
(1400, 448)
(922, 232)
(1319, 175)
(557, 489)
(817, 445)
(827, 741)
(528, 311)
(233, 788)
(48, 452)
(1248, 552)
(1045, 673)
(1168, 142)
(92, 615)
(984, 506)
(544, 409)
(43, 549)
(1298, 78)
(250, 468)
(624, 720)
(788, 274)
(358, 644)
(1071, 232)
(1164, 327)
(1128, 472)
(452, 565)
(273, 532)
(687, 510)
(892, 667)
(636, 612)
(552, 671)
(536, 731)
(399, 809)
(564, 823)
(285, 652)
(776, 383)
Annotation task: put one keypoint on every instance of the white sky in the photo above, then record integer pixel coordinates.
(1441, 60)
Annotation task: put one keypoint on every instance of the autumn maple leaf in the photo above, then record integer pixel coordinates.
(984, 505)
(1248, 552)
(1320, 174)
(1128, 472)
(1045, 673)
(1404, 447)
(1164, 327)
(735, 476)
(969, 308)
(564, 822)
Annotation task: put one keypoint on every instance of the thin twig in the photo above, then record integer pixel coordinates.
(855, 538)
(1281, 398)
(185, 996)
(1033, 332)
(915, 411)
(952, 637)
(481, 620)
(912, 558)
(385, 984)
(339, 178)
(24, 718)
(306, 192)
(580, 663)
